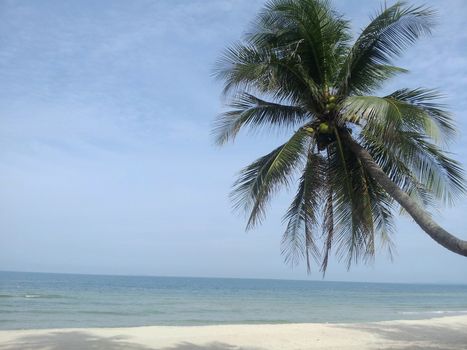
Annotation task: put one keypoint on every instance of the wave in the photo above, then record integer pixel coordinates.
(45, 296)
(437, 312)
(121, 313)
(32, 296)
(95, 312)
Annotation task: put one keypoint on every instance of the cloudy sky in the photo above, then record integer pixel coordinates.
(106, 160)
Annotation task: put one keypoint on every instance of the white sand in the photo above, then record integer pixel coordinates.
(439, 333)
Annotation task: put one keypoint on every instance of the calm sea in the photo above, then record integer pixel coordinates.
(36, 300)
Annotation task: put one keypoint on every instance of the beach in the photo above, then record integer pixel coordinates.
(437, 333)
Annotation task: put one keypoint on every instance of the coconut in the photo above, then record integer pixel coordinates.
(325, 128)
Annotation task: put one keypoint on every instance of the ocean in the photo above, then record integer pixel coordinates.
(41, 300)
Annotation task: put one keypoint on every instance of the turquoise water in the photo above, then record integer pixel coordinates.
(35, 300)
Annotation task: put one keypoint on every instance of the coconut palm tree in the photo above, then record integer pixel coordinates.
(355, 156)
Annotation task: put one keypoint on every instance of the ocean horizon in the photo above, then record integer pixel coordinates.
(30, 300)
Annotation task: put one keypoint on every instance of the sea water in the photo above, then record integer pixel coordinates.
(39, 300)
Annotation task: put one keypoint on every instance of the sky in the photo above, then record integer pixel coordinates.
(107, 164)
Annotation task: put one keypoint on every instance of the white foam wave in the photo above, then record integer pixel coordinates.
(437, 312)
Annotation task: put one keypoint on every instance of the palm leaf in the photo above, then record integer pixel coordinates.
(311, 27)
(368, 63)
(298, 241)
(403, 128)
(247, 68)
(258, 181)
(351, 209)
(328, 222)
(409, 110)
(250, 111)
(436, 121)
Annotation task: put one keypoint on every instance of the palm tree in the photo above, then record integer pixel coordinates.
(353, 154)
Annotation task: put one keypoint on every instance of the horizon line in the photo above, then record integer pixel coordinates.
(234, 278)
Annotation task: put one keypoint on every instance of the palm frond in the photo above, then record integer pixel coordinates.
(436, 119)
(404, 127)
(393, 29)
(409, 110)
(431, 173)
(328, 222)
(299, 241)
(278, 73)
(247, 110)
(318, 35)
(258, 181)
(441, 175)
(382, 213)
(351, 209)
(397, 169)
(357, 211)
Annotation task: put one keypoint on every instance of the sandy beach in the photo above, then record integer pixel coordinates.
(437, 333)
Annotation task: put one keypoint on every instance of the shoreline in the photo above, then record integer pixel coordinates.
(447, 332)
(460, 314)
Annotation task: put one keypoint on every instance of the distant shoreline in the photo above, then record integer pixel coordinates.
(443, 332)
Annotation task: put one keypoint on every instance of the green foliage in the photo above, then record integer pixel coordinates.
(297, 69)
(258, 181)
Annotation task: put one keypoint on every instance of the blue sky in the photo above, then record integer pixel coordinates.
(106, 160)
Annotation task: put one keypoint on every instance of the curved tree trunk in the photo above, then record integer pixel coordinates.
(420, 215)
